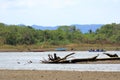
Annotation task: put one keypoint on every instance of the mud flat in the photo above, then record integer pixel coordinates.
(57, 75)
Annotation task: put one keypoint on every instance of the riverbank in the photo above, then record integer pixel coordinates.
(57, 75)
(74, 47)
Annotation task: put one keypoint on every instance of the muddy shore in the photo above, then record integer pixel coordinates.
(57, 75)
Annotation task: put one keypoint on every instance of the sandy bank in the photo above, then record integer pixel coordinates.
(57, 75)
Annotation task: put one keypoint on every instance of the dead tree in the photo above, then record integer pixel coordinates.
(57, 58)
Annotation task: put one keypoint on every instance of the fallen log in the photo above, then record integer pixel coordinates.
(111, 55)
(91, 59)
(84, 59)
(64, 59)
(104, 59)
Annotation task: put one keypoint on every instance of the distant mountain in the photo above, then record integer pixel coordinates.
(86, 27)
(21, 25)
(45, 27)
(83, 28)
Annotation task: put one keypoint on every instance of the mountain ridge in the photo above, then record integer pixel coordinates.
(84, 28)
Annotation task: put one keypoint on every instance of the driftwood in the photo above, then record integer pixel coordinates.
(64, 59)
(105, 59)
(111, 55)
(84, 59)
(57, 59)
(67, 56)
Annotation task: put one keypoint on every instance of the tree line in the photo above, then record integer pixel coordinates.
(20, 35)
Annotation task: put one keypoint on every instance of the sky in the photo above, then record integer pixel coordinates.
(59, 12)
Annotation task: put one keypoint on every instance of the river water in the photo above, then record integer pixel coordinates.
(20, 61)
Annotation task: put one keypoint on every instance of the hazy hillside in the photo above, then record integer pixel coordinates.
(86, 27)
(45, 27)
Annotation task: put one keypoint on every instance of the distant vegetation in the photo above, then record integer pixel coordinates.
(26, 35)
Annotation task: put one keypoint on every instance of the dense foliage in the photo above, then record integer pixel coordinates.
(19, 35)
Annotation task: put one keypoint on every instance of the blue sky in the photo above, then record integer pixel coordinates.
(59, 12)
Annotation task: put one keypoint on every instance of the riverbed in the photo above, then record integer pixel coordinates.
(32, 61)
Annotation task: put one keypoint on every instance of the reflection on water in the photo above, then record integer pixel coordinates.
(19, 61)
